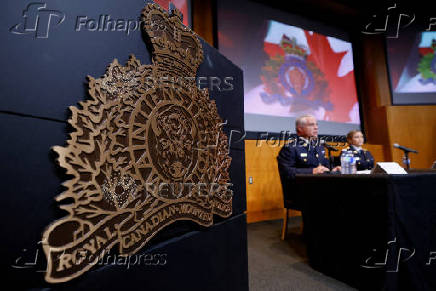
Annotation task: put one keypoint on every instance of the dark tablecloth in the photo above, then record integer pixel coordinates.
(374, 232)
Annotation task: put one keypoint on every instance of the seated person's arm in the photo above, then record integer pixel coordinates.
(287, 164)
(371, 160)
(366, 163)
(325, 166)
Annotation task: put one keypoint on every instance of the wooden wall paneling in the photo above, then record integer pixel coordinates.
(203, 19)
(264, 195)
(373, 87)
(414, 127)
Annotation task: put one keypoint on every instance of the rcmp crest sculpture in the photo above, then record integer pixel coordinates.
(147, 150)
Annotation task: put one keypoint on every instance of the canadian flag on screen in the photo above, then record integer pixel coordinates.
(309, 73)
(182, 5)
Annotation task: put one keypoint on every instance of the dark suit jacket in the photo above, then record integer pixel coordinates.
(365, 160)
(299, 157)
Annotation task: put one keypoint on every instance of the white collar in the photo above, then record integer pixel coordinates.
(308, 141)
(305, 139)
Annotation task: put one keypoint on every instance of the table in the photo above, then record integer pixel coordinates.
(371, 231)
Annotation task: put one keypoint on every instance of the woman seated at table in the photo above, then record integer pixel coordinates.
(365, 160)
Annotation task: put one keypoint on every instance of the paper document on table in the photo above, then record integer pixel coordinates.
(388, 168)
(364, 172)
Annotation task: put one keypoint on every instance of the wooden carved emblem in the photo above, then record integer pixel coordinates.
(147, 150)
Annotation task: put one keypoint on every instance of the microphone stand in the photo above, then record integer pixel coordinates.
(406, 160)
(329, 153)
(406, 151)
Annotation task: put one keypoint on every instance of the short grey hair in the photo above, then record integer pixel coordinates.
(301, 120)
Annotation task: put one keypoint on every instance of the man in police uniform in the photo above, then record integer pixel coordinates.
(304, 156)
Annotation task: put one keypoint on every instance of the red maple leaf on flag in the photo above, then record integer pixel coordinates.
(273, 49)
(181, 5)
(342, 89)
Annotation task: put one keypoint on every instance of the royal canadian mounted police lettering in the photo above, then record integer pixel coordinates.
(131, 138)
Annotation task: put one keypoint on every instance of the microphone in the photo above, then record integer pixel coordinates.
(405, 149)
(329, 147)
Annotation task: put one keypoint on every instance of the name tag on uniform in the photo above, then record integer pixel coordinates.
(356, 158)
(303, 155)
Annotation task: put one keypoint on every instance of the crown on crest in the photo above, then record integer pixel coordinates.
(291, 47)
(175, 46)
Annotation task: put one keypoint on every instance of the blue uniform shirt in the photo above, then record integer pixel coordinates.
(365, 160)
(300, 157)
